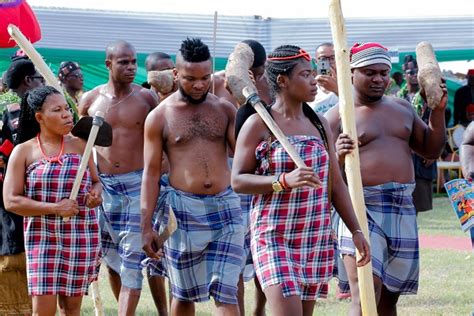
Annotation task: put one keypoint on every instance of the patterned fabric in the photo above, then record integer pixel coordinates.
(62, 257)
(66, 67)
(393, 237)
(248, 272)
(203, 257)
(367, 54)
(416, 100)
(291, 237)
(119, 218)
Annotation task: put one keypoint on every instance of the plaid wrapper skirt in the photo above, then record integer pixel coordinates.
(62, 257)
(393, 235)
(204, 256)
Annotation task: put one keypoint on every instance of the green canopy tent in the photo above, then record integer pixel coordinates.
(95, 72)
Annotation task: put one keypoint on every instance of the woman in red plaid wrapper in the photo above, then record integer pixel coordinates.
(62, 256)
(291, 240)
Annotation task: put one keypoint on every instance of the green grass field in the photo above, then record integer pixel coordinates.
(446, 280)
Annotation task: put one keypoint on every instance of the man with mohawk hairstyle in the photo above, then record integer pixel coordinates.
(388, 130)
(203, 257)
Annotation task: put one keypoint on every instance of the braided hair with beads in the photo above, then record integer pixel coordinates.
(31, 103)
(281, 62)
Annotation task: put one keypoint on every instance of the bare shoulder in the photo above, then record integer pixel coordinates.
(226, 105)
(23, 152)
(149, 96)
(323, 120)
(76, 144)
(256, 125)
(219, 77)
(402, 102)
(24, 148)
(87, 99)
(401, 105)
(157, 117)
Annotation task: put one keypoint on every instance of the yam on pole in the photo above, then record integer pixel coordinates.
(238, 80)
(352, 163)
(429, 74)
(162, 81)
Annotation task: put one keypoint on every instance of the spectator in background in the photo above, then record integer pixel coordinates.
(396, 83)
(327, 95)
(464, 97)
(410, 91)
(72, 81)
(3, 85)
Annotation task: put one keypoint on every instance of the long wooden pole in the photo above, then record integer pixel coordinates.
(34, 56)
(214, 40)
(352, 163)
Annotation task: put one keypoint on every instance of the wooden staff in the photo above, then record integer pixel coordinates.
(48, 75)
(352, 163)
(34, 56)
(214, 39)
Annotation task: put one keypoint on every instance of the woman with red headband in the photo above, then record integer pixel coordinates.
(292, 246)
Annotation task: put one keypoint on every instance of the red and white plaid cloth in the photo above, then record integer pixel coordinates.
(62, 257)
(291, 230)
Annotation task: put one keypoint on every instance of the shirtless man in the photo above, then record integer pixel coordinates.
(388, 130)
(126, 107)
(203, 256)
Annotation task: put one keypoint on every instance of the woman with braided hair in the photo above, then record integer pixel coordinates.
(291, 241)
(61, 256)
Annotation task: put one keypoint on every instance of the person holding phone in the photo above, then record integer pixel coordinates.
(327, 95)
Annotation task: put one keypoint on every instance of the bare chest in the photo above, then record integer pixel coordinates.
(185, 128)
(383, 124)
(130, 114)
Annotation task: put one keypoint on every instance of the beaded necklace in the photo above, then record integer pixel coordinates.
(54, 158)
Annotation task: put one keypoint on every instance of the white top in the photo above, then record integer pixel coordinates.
(324, 101)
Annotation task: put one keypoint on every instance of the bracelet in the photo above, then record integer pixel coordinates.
(283, 181)
(357, 231)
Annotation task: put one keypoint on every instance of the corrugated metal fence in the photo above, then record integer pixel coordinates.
(92, 30)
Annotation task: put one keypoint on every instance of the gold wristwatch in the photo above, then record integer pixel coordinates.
(276, 185)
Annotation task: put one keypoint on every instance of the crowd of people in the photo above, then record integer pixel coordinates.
(244, 210)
